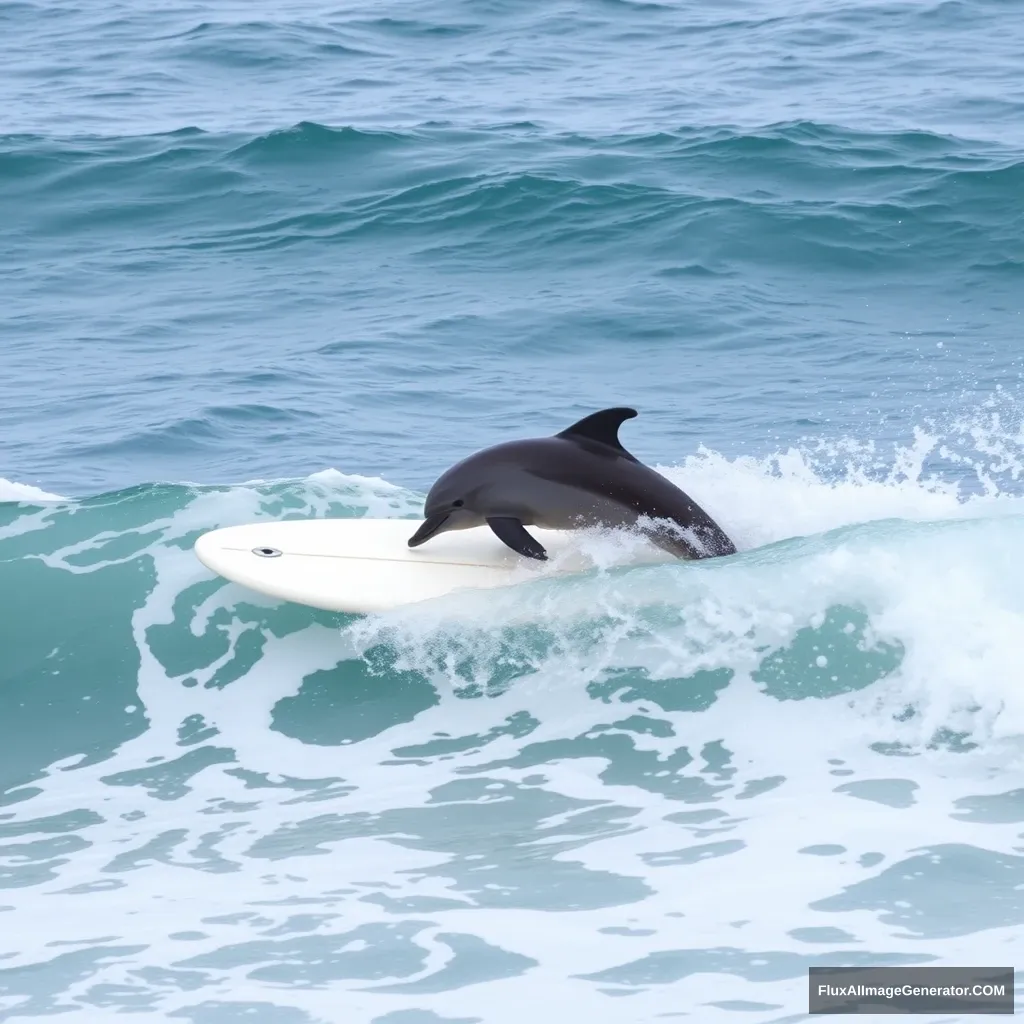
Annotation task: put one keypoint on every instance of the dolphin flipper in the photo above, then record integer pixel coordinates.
(511, 531)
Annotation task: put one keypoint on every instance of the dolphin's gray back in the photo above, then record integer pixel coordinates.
(561, 483)
(553, 500)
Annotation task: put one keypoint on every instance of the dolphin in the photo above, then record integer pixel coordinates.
(579, 477)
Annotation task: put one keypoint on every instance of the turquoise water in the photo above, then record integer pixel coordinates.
(296, 259)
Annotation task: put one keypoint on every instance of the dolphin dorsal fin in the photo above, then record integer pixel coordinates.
(602, 427)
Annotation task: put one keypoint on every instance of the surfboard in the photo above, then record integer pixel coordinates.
(363, 566)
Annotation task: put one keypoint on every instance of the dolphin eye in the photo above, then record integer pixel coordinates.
(458, 503)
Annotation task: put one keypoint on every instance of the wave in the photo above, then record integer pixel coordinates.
(11, 491)
(897, 596)
(800, 193)
(619, 732)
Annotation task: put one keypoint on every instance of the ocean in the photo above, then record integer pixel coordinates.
(296, 259)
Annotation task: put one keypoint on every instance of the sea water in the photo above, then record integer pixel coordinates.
(291, 260)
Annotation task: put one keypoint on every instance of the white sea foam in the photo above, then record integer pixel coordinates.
(534, 773)
(12, 491)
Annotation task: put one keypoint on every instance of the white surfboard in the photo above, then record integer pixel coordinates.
(365, 565)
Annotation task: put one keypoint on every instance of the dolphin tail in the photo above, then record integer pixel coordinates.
(713, 538)
(703, 538)
(511, 532)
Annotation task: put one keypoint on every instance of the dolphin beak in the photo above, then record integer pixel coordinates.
(430, 526)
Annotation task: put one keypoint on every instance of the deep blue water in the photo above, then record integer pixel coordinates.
(297, 259)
